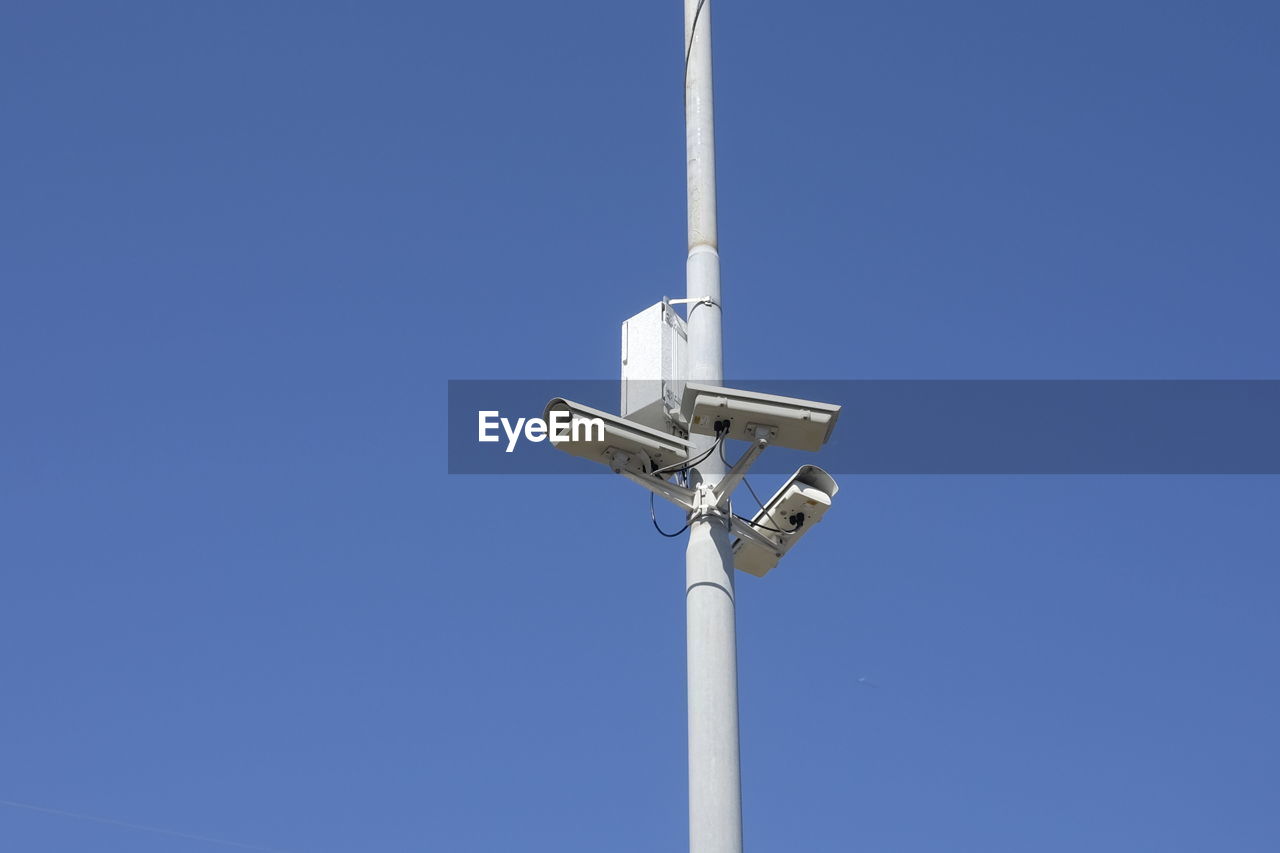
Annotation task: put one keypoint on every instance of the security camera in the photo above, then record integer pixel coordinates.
(749, 416)
(788, 515)
(621, 444)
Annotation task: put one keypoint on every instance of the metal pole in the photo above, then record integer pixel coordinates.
(715, 789)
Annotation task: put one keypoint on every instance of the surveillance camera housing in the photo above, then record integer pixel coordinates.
(624, 444)
(748, 415)
(797, 506)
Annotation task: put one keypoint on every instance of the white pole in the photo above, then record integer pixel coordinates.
(715, 789)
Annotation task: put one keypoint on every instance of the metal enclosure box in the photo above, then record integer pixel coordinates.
(654, 357)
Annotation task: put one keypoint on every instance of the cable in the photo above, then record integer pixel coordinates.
(690, 463)
(745, 481)
(682, 472)
(693, 32)
(679, 467)
(653, 515)
(764, 526)
(753, 492)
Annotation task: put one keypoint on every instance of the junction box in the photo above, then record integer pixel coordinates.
(655, 346)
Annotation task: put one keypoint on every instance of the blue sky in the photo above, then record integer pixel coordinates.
(247, 244)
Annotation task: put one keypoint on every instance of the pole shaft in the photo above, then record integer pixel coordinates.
(715, 790)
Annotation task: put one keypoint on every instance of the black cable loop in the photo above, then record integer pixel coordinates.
(653, 515)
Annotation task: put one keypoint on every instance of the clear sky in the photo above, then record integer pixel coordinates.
(246, 244)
